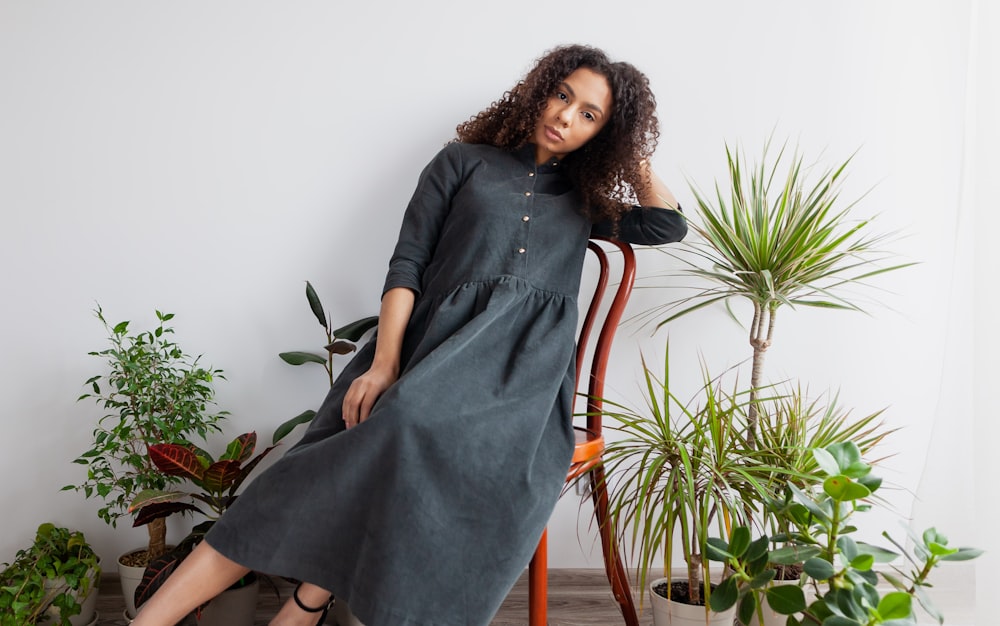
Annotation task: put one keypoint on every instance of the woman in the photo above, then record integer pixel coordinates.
(421, 487)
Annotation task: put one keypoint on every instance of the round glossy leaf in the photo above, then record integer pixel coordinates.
(724, 595)
(819, 569)
(786, 599)
(717, 549)
(843, 489)
(740, 541)
(895, 605)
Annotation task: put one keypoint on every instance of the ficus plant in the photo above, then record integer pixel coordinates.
(339, 341)
(151, 392)
(844, 574)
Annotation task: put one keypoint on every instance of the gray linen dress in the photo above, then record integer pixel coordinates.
(428, 512)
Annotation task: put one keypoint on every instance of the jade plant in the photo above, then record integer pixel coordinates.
(846, 575)
(339, 341)
(48, 580)
(151, 392)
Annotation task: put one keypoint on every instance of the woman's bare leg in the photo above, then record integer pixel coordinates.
(204, 574)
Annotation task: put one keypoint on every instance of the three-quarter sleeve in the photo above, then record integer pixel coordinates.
(645, 226)
(423, 219)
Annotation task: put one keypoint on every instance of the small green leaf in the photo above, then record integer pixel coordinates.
(818, 568)
(282, 431)
(895, 605)
(786, 599)
(725, 595)
(740, 541)
(298, 358)
(843, 489)
(315, 304)
(355, 330)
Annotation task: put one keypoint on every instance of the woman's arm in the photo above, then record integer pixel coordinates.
(658, 219)
(397, 306)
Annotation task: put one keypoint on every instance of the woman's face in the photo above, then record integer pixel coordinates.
(575, 112)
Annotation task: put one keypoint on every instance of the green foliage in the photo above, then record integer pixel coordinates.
(844, 573)
(49, 579)
(684, 471)
(151, 392)
(219, 480)
(339, 341)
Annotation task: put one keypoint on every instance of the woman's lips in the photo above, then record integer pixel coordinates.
(553, 134)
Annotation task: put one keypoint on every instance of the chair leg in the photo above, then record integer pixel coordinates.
(538, 583)
(613, 563)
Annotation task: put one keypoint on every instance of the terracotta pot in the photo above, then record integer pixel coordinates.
(669, 613)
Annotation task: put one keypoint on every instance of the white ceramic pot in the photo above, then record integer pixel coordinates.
(130, 578)
(232, 607)
(88, 603)
(670, 613)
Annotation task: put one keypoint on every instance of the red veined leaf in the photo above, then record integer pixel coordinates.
(176, 460)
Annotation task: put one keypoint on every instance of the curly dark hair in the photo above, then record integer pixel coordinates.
(606, 169)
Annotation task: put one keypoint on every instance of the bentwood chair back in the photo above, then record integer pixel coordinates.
(602, 323)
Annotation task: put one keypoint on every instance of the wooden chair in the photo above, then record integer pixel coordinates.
(590, 440)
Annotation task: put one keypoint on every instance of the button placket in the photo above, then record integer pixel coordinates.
(529, 196)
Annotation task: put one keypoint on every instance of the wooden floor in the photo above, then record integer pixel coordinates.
(577, 597)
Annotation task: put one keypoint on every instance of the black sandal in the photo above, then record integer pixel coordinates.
(309, 609)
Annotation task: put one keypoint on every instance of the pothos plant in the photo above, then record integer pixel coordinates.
(339, 341)
(844, 573)
(49, 579)
(151, 392)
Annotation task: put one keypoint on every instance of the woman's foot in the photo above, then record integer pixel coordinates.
(308, 606)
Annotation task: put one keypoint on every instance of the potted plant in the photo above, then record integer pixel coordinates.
(793, 245)
(54, 581)
(218, 481)
(846, 575)
(682, 472)
(339, 341)
(152, 392)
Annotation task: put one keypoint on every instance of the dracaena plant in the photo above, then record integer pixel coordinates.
(844, 573)
(151, 392)
(338, 342)
(775, 235)
(218, 481)
(681, 469)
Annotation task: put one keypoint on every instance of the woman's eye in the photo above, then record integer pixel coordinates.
(590, 116)
(561, 95)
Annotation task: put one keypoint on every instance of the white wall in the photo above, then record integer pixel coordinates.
(206, 158)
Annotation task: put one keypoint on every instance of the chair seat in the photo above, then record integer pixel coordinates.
(586, 454)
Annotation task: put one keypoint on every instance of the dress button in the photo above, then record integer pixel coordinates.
(527, 193)
(531, 174)
(521, 250)
(525, 218)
